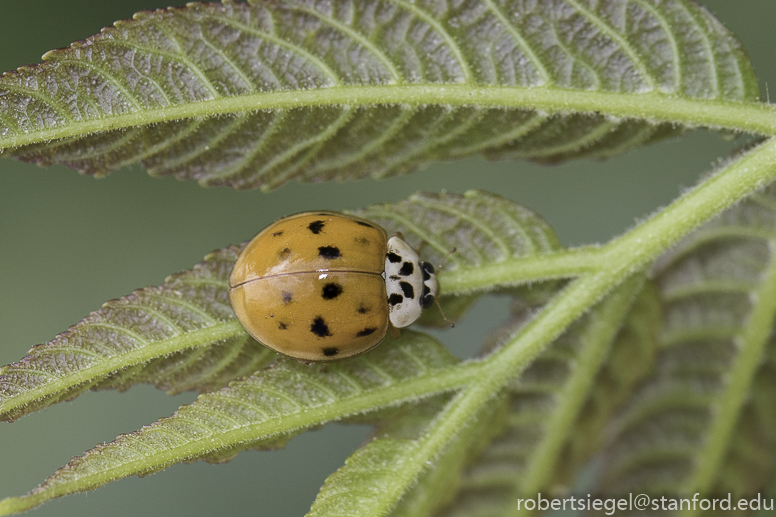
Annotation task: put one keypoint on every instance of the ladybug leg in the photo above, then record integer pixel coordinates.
(394, 332)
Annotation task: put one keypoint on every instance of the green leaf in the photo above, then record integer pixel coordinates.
(630, 360)
(183, 335)
(180, 335)
(604, 274)
(254, 95)
(439, 484)
(465, 233)
(482, 228)
(703, 422)
(544, 405)
(255, 412)
(370, 481)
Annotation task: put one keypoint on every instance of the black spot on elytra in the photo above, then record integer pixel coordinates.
(395, 299)
(277, 234)
(329, 252)
(363, 310)
(284, 254)
(362, 241)
(282, 326)
(407, 289)
(366, 332)
(393, 257)
(316, 226)
(332, 350)
(362, 223)
(287, 297)
(331, 291)
(407, 269)
(319, 327)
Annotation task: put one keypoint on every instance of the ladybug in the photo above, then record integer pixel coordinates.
(324, 286)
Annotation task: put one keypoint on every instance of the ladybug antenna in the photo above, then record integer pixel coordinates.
(439, 306)
(444, 259)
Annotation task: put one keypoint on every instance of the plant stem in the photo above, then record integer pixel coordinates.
(561, 264)
(619, 260)
(639, 246)
(632, 252)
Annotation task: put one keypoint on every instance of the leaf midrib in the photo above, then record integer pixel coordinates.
(751, 343)
(139, 355)
(408, 389)
(654, 106)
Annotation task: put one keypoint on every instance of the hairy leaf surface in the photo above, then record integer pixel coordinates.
(254, 95)
(180, 335)
(440, 483)
(482, 228)
(374, 472)
(547, 405)
(252, 413)
(704, 422)
(183, 334)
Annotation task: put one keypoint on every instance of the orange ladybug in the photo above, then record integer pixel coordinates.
(325, 286)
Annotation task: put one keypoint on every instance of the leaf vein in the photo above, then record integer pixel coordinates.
(356, 36)
(675, 55)
(322, 66)
(618, 38)
(452, 45)
(521, 42)
(313, 144)
(255, 149)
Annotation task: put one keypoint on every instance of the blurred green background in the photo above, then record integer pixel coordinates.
(69, 242)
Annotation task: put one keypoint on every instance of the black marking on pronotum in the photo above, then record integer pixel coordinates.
(316, 226)
(427, 301)
(329, 252)
(287, 297)
(407, 269)
(277, 234)
(366, 332)
(332, 350)
(362, 223)
(393, 257)
(319, 327)
(331, 291)
(407, 289)
(363, 309)
(395, 299)
(284, 254)
(428, 269)
(282, 326)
